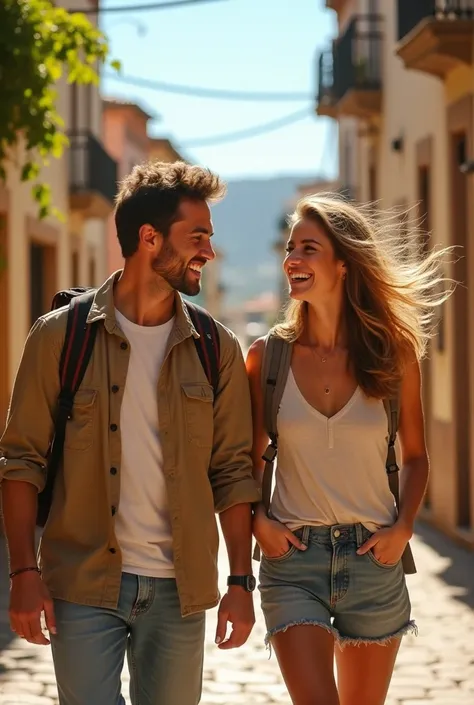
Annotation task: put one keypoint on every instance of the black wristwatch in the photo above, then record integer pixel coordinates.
(248, 582)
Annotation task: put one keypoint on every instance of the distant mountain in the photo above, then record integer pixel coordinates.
(246, 227)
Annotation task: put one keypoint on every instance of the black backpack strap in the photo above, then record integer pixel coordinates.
(275, 367)
(274, 373)
(392, 409)
(64, 297)
(208, 344)
(75, 356)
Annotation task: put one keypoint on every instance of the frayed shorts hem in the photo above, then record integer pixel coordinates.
(341, 640)
(300, 623)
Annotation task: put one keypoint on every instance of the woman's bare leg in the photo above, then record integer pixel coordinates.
(364, 672)
(306, 657)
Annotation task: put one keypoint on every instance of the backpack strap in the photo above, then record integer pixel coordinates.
(392, 408)
(275, 367)
(208, 344)
(64, 297)
(75, 356)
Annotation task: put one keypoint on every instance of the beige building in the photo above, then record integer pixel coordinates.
(399, 79)
(40, 257)
(126, 137)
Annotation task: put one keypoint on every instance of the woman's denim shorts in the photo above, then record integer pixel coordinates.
(356, 598)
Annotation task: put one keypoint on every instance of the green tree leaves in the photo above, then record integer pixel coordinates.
(39, 45)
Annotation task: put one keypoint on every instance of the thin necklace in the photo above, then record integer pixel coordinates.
(324, 359)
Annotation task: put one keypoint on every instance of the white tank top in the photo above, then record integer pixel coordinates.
(332, 471)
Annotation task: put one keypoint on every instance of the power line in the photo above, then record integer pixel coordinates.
(249, 132)
(139, 8)
(202, 92)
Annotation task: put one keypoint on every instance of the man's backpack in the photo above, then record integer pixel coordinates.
(275, 367)
(75, 356)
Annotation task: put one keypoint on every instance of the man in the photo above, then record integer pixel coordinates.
(128, 556)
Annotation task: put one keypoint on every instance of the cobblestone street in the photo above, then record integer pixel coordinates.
(436, 667)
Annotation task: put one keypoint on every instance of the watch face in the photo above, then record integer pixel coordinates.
(251, 583)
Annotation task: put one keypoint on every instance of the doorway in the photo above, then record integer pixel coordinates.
(460, 219)
(4, 337)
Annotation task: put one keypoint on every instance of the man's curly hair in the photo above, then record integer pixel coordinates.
(152, 193)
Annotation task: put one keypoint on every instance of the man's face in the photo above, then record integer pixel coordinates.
(186, 249)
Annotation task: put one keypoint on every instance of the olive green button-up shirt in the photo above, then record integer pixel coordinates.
(206, 446)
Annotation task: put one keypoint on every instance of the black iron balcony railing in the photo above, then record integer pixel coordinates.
(91, 167)
(358, 56)
(354, 63)
(326, 78)
(411, 12)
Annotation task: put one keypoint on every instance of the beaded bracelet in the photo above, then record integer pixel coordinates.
(24, 570)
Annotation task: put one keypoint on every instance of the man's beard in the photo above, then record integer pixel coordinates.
(170, 267)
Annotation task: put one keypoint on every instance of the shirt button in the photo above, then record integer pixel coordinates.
(113, 426)
(113, 550)
(114, 509)
(113, 471)
(124, 346)
(115, 388)
(337, 533)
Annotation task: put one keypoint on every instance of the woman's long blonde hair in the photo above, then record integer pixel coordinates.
(392, 288)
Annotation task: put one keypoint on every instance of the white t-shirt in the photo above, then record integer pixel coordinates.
(142, 522)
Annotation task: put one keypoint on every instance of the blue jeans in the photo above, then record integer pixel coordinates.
(164, 650)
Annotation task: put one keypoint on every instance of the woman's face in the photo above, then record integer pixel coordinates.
(314, 273)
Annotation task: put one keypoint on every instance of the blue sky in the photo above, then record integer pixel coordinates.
(253, 45)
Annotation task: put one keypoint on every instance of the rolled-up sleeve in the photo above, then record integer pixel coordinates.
(30, 420)
(231, 463)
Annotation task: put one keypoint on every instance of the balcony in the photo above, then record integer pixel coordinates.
(435, 36)
(326, 101)
(352, 85)
(325, 98)
(92, 176)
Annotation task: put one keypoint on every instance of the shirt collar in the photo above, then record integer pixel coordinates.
(103, 308)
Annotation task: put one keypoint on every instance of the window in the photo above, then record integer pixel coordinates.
(37, 280)
(92, 271)
(42, 278)
(75, 268)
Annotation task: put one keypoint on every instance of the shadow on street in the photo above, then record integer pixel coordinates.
(460, 572)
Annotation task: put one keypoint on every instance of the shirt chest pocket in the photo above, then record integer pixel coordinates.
(199, 413)
(79, 428)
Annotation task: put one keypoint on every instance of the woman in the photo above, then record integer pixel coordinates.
(331, 572)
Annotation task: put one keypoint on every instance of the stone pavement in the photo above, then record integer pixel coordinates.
(436, 668)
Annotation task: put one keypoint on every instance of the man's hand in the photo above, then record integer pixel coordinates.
(237, 608)
(29, 597)
(387, 544)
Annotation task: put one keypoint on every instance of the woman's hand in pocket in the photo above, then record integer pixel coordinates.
(273, 537)
(387, 544)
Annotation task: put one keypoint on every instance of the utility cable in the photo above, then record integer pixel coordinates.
(201, 92)
(249, 132)
(99, 10)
